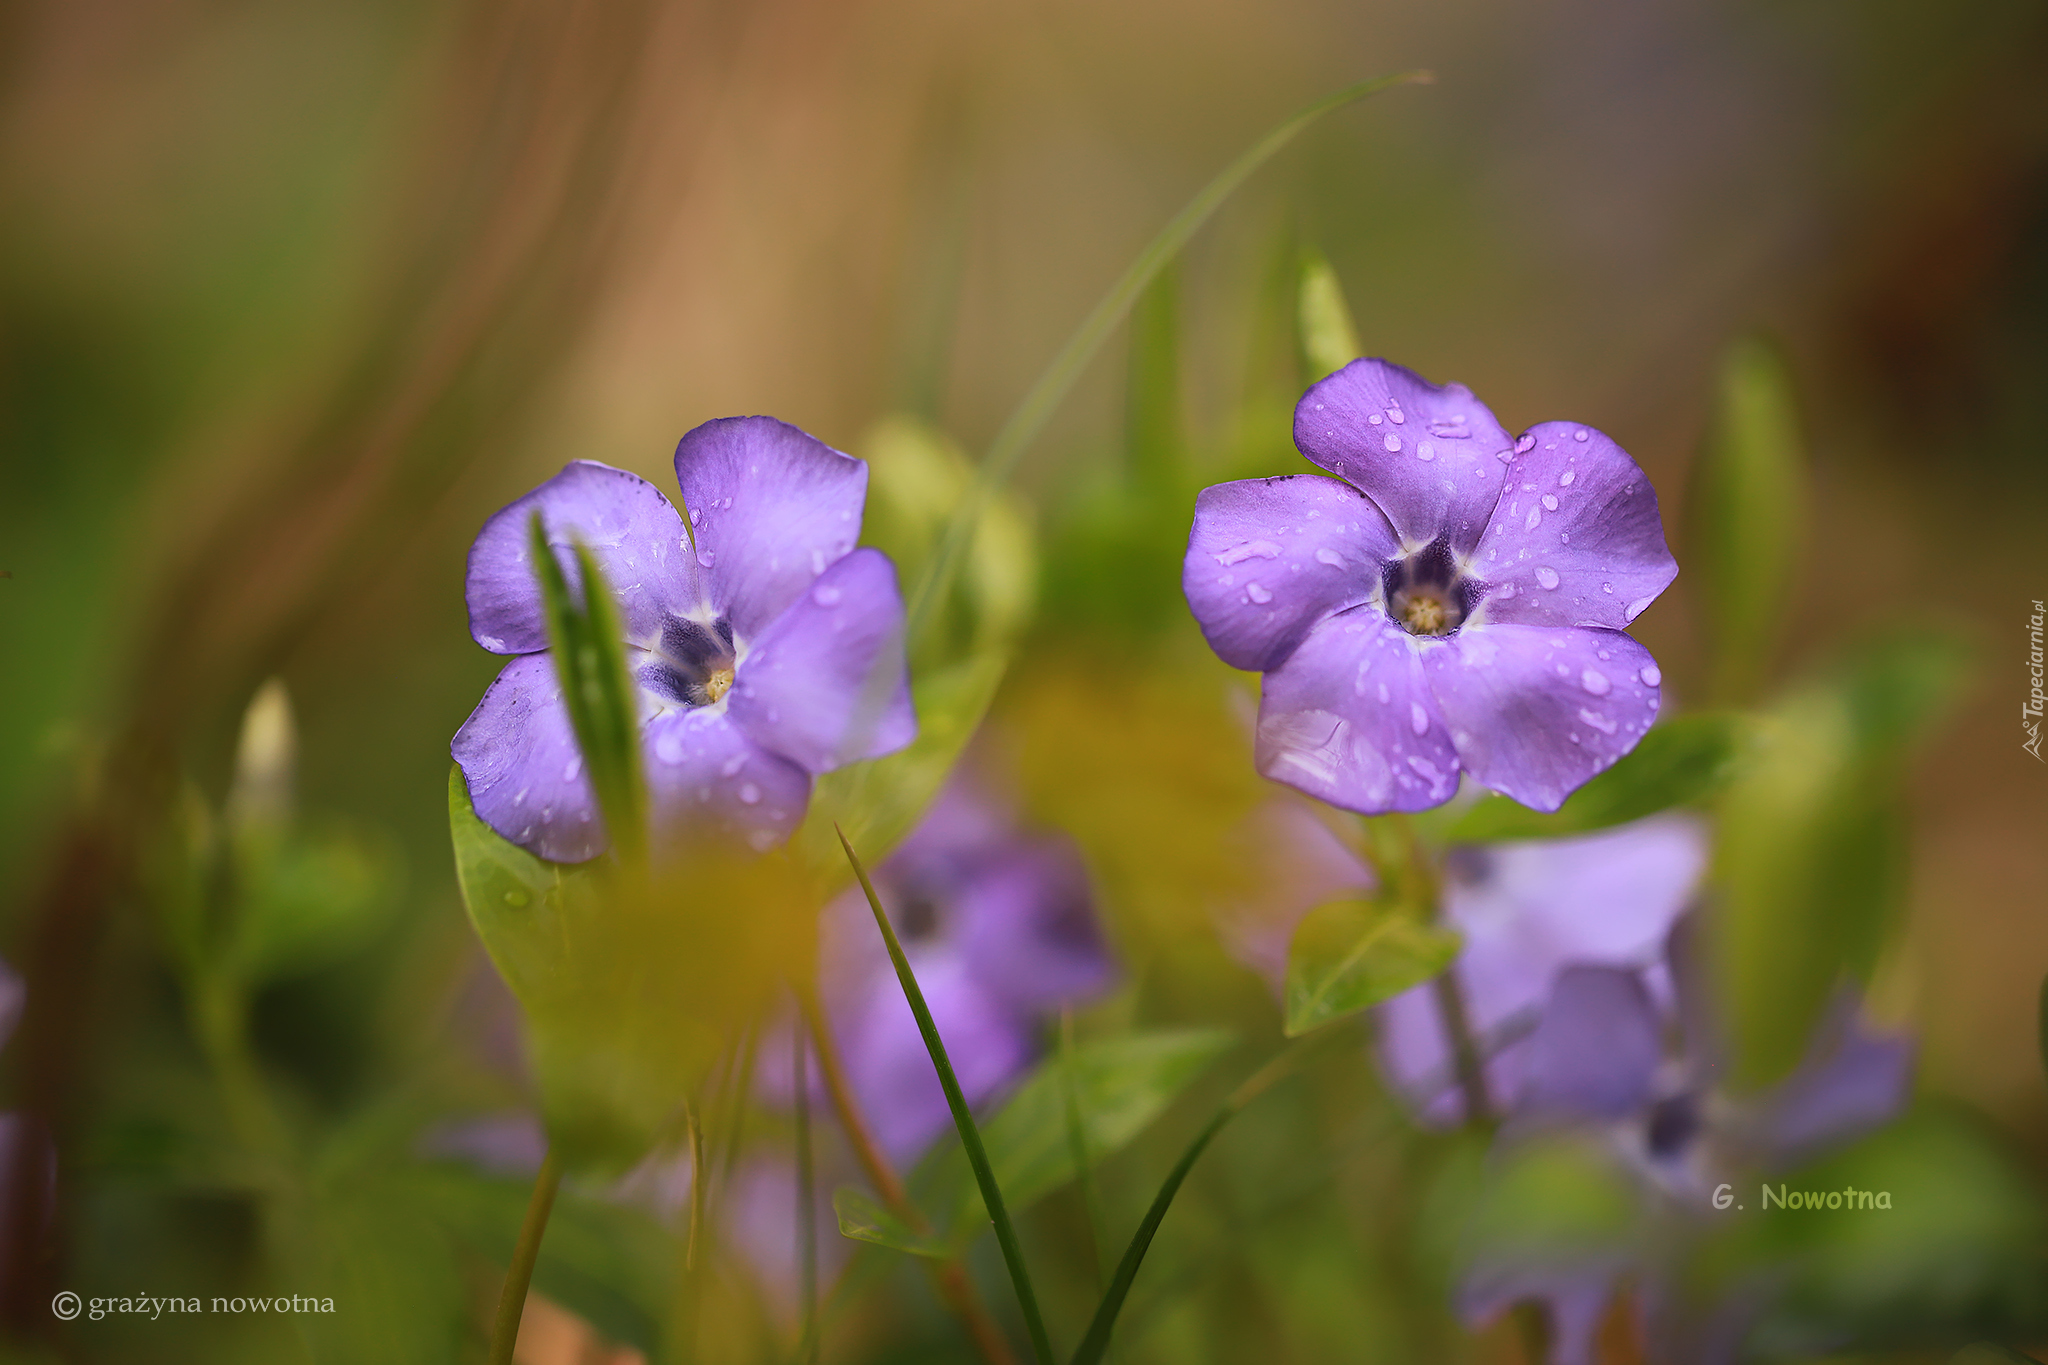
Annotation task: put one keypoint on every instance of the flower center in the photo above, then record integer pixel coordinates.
(693, 663)
(1426, 595)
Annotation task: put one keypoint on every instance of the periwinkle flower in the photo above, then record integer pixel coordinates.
(1631, 1063)
(1454, 601)
(1000, 928)
(1529, 911)
(766, 648)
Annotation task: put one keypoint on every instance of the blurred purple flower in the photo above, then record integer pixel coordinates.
(1599, 1063)
(1529, 911)
(1454, 601)
(1000, 928)
(767, 649)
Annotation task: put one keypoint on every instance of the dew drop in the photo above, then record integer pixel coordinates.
(1526, 444)
(1535, 516)
(1391, 442)
(749, 794)
(1549, 503)
(732, 766)
(1257, 593)
(515, 899)
(825, 595)
(1546, 575)
(1594, 681)
(1395, 414)
(1637, 607)
(1385, 696)
(1328, 556)
(1425, 451)
(1598, 721)
(704, 558)
(1580, 434)
(1418, 719)
(1564, 480)
(572, 768)
(1650, 675)
(1374, 419)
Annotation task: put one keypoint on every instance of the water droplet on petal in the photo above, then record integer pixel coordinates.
(1418, 719)
(668, 746)
(1425, 451)
(1526, 444)
(1328, 556)
(1391, 442)
(825, 595)
(572, 768)
(1374, 419)
(1598, 721)
(1396, 414)
(1564, 480)
(749, 793)
(731, 766)
(1594, 682)
(1535, 516)
(1257, 593)
(1638, 607)
(1385, 696)
(1250, 549)
(704, 558)
(1546, 575)
(1650, 676)
(1579, 435)
(1549, 503)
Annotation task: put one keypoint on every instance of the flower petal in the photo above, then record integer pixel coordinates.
(1576, 538)
(1538, 710)
(525, 773)
(890, 1070)
(1597, 1049)
(1028, 930)
(1527, 911)
(770, 507)
(631, 529)
(1431, 457)
(706, 778)
(1349, 718)
(1850, 1082)
(826, 683)
(1268, 558)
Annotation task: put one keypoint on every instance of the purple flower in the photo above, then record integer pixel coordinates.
(1529, 911)
(1000, 928)
(1454, 601)
(1600, 1064)
(767, 649)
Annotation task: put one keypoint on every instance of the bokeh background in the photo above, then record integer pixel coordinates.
(293, 296)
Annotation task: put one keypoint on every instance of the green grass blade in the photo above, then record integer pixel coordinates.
(1044, 398)
(963, 1118)
(1096, 1343)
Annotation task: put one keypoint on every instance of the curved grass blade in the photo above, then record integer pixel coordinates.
(963, 1118)
(1096, 1342)
(1038, 405)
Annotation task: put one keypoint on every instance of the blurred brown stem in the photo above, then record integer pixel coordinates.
(948, 1277)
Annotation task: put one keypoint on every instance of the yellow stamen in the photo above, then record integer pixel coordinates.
(1423, 614)
(718, 684)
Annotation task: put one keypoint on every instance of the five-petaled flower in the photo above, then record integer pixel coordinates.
(1455, 600)
(766, 648)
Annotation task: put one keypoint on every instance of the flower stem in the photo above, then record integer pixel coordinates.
(963, 1118)
(955, 1290)
(519, 1275)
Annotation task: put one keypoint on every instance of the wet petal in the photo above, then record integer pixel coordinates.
(1538, 710)
(771, 507)
(1597, 1049)
(1349, 718)
(1268, 558)
(1028, 928)
(631, 529)
(1431, 457)
(1576, 539)
(524, 771)
(826, 683)
(706, 778)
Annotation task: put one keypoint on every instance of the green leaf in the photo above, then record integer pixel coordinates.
(586, 641)
(1155, 436)
(1810, 863)
(1990, 1353)
(1549, 1198)
(1746, 513)
(1119, 1086)
(1675, 764)
(1329, 341)
(1351, 954)
(306, 899)
(863, 1218)
(631, 986)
